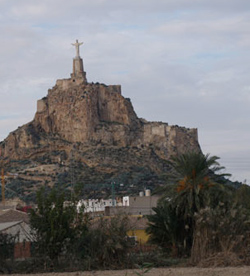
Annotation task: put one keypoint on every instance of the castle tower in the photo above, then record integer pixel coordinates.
(78, 71)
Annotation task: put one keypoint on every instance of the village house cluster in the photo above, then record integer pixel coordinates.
(15, 220)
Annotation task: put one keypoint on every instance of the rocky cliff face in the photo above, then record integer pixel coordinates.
(88, 134)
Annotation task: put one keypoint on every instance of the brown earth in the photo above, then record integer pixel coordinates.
(193, 271)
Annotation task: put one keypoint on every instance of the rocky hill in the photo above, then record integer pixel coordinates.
(88, 135)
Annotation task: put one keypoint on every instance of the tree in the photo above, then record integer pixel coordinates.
(223, 229)
(191, 186)
(56, 224)
(107, 244)
(192, 176)
(243, 196)
(7, 244)
(165, 228)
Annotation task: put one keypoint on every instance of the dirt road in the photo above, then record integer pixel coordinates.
(194, 271)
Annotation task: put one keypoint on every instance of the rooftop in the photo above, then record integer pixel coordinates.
(13, 216)
(6, 225)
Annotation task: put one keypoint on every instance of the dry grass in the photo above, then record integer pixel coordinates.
(222, 259)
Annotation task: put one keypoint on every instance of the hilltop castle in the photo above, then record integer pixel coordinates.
(95, 127)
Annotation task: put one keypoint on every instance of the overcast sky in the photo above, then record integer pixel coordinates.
(184, 62)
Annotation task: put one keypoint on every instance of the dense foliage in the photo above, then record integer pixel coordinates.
(107, 242)
(66, 237)
(195, 207)
(7, 243)
(57, 225)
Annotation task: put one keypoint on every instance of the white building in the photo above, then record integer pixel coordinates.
(136, 205)
(95, 205)
(141, 204)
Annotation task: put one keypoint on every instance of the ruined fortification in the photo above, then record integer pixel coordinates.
(93, 127)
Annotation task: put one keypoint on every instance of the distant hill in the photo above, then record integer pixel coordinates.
(87, 135)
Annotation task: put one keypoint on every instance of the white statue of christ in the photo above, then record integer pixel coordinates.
(77, 45)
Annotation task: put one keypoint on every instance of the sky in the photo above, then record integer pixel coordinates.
(184, 62)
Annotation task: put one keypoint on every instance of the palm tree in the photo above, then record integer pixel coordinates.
(191, 177)
(191, 186)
